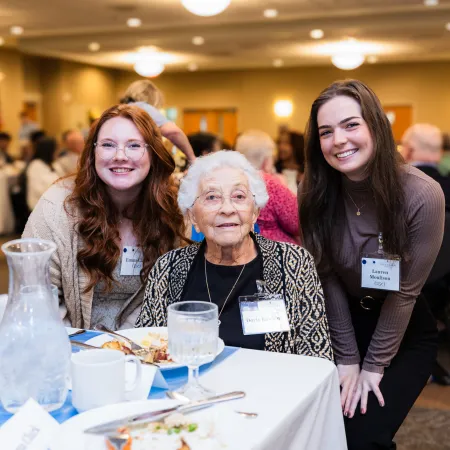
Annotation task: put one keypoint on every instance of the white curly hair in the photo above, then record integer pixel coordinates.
(204, 165)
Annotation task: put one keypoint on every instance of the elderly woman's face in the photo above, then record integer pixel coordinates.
(225, 210)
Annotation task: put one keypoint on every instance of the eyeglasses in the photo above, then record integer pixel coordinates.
(107, 150)
(213, 200)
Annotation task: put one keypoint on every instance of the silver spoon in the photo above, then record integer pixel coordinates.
(180, 397)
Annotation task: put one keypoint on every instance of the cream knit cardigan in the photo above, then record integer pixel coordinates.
(49, 220)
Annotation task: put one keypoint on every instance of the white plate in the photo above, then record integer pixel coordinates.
(138, 334)
(71, 436)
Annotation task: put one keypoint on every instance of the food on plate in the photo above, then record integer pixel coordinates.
(155, 343)
(169, 434)
(116, 345)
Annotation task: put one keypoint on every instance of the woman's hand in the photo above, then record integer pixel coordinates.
(367, 381)
(348, 377)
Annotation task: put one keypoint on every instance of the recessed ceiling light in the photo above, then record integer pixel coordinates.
(447, 26)
(316, 34)
(17, 31)
(148, 49)
(270, 13)
(192, 67)
(94, 46)
(2, 41)
(134, 22)
(372, 59)
(278, 62)
(198, 40)
(431, 2)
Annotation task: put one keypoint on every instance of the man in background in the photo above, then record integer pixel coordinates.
(67, 162)
(422, 147)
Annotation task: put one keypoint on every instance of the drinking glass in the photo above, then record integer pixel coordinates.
(193, 330)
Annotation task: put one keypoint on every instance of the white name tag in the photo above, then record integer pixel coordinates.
(31, 428)
(378, 273)
(263, 314)
(132, 261)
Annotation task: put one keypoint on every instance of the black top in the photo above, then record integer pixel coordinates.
(221, 280)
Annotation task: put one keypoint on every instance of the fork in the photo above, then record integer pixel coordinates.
(137, 349)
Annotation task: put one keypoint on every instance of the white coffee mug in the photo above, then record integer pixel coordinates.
(98, 378)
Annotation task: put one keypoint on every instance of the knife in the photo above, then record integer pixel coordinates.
(154, 416)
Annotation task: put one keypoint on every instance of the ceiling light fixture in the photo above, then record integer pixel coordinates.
(316, 34)
(134, 22)
(278, 62)
(16, 30)
(447, 26)
(431, 2)
(198, 40)
(149, 68)
(94, 46)
(206, 8)
(192, 67)
(348, 55)
(270, 13)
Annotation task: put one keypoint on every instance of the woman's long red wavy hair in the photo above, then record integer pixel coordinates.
(157, 221)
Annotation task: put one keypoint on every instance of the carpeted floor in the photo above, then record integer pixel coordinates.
(425, 429)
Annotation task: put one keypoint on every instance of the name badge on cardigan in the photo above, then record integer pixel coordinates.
(132, 261)
(263, 313)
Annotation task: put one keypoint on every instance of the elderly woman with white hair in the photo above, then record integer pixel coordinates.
(278, 220)
(222, 195)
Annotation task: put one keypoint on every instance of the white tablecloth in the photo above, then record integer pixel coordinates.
(296, 397)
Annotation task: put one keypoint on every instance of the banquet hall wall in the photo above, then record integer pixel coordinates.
(66, 91)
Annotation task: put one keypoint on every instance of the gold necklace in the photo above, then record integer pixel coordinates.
(358, 212)
(232, 289)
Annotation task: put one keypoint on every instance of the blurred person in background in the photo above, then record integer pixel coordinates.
(27, 126)
(67, 161)
(40, 174)
(291, 158)
(5, 141)
(422, 147)
(204, 143)
(444, 166)
(111, 221)
(146, 95)
(278, 220)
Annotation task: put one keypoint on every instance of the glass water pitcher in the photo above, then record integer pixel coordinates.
(34, 346)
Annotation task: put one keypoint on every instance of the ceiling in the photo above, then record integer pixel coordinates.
(239, 38)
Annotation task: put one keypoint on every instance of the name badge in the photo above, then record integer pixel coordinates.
(379, 273)
(264, 313)
(132, 261)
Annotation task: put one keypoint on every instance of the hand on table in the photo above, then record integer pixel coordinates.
(367, 381)
(348, 377)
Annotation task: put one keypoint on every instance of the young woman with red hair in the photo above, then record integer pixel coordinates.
(112, 221)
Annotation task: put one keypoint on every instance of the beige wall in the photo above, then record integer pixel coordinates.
(425, 86)
(11, 92)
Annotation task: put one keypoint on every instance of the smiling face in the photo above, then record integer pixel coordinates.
(229, 223)
(345, 138)
(121, 174)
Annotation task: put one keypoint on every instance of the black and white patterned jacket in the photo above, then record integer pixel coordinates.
(287, 269)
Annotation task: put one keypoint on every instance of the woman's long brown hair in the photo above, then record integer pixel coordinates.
(157, 221)
(320, 200)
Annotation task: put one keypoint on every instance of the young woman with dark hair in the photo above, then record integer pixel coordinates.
(39, 174)
(112, 221)
(291, 158)
(361, 207)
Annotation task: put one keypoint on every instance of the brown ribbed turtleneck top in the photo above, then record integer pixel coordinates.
(425, 206)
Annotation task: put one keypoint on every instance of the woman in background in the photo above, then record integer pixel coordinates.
(291, 158)
(39, 173)
(147, 96)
